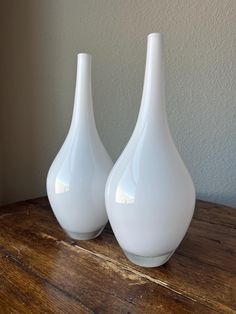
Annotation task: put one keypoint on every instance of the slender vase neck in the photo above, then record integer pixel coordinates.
(83, 102)
(153, 98)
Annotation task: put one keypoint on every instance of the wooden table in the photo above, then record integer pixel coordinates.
(43, 271)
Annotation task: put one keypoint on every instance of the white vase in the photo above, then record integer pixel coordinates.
(150, 196)
(76, 179)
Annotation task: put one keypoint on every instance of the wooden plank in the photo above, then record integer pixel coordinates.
(21, 291)
(211, 244)
(102, 283)
(214, 214)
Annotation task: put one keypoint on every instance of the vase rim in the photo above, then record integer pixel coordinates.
(84, 54)
(155, 34)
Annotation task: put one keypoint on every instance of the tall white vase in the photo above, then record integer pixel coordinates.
(150, 196)
(76, 179)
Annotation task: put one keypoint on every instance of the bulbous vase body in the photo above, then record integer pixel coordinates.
(150, 196)
(76, 179)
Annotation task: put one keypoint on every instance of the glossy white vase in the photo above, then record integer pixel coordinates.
(150, 196)
(76, 179)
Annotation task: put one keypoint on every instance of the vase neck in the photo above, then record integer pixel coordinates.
(83, 102)
(153, 98)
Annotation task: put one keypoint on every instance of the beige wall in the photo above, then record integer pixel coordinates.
(40, 41)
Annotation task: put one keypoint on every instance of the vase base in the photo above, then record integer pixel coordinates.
(146, 261)
(84, 236)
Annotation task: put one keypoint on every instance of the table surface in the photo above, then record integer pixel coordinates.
(43, 271)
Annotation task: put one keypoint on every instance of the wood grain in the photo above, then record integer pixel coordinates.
(43, 271)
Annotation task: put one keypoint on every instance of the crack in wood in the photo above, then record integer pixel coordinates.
(136, 273)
